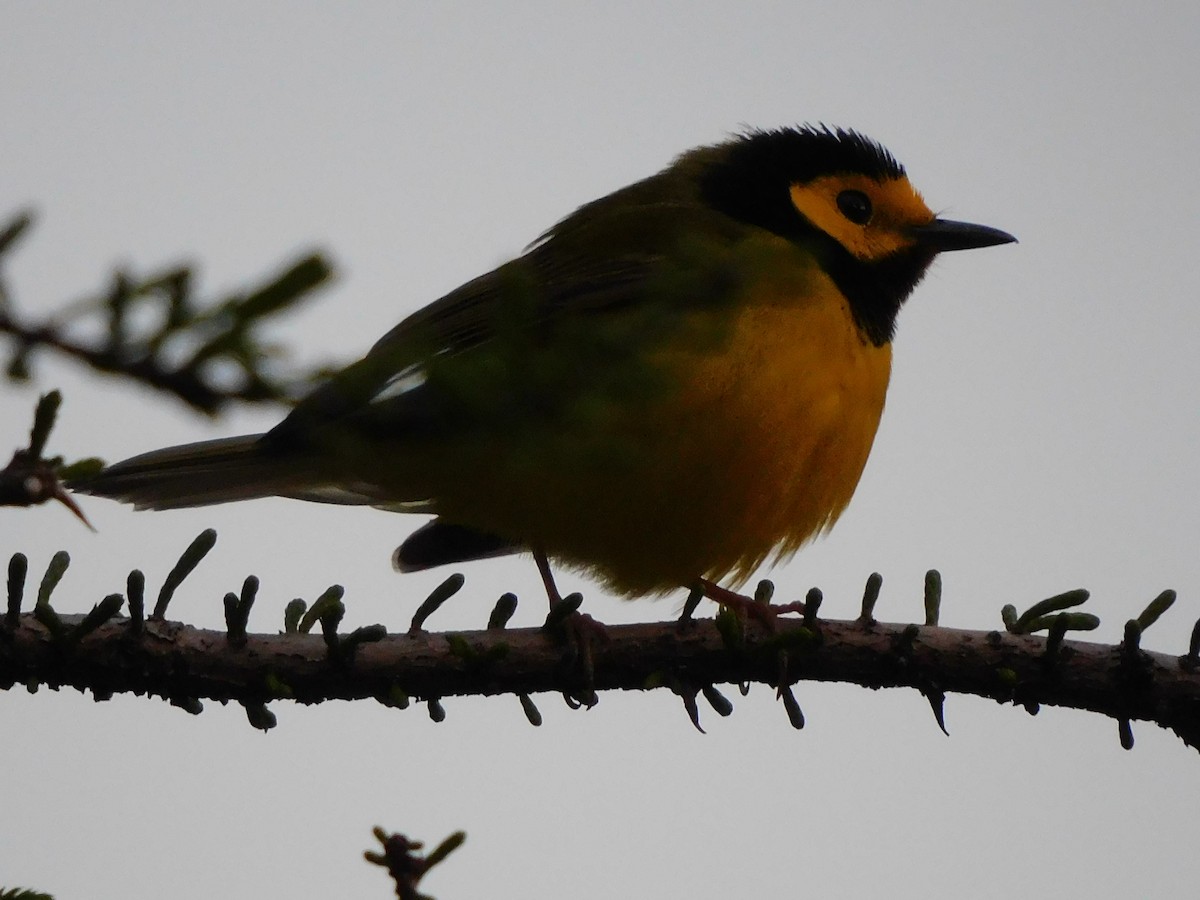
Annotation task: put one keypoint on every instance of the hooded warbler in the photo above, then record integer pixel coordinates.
(676, 383)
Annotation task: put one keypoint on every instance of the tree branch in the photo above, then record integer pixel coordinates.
(153, 332)
(184, 664)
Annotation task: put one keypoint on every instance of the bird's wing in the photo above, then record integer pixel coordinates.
(521, 296)
(586, 271)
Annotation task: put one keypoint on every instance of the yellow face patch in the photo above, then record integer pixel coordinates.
(894, 207)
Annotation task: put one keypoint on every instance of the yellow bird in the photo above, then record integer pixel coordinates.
(674, 384)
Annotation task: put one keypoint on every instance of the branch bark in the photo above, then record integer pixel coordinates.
(185, 664)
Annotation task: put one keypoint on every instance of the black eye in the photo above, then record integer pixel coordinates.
(855, 206)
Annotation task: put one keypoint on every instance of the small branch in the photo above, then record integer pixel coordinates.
(30, 480)
(405, 864)
(155, 333)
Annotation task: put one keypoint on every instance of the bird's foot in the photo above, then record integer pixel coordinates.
(745, 608)
(580, 632)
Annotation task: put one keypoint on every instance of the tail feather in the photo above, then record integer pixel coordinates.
(200, 474)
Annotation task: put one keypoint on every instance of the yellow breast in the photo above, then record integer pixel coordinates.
(771, 438)
(755, 446)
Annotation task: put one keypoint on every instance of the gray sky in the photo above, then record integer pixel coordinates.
(1040, 435)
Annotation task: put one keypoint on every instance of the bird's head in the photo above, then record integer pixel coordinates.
(846, 198)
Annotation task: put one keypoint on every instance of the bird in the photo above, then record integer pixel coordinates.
(673, 385)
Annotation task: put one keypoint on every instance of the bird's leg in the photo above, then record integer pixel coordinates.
(543, 565)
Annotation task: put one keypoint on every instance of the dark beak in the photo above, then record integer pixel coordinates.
(943, 234)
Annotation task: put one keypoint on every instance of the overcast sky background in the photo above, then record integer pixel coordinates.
(1040, 435)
